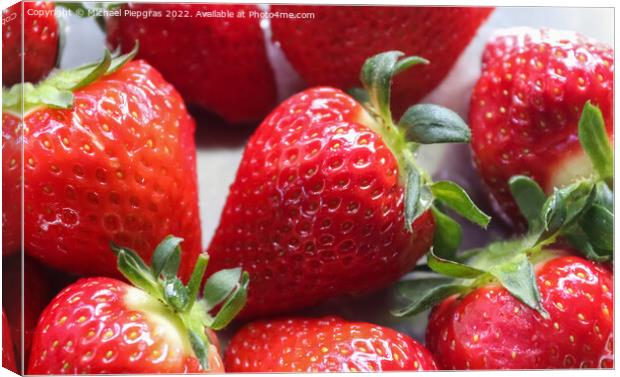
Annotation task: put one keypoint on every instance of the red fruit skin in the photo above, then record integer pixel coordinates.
(316, 209)
(331, 48)
(328, 344)
(11, 183)
(526, 106)
(40, 286)
(8, 356)
(220, 65)
(120, 166)
(41, 35)
(490, 329)
(89, 329)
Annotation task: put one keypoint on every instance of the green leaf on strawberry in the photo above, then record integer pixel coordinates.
(420, 124)
(425, 293)
(343, 187)
(57, 90)
(455, 197)
(594, 141)
(429, 124)
(581, 213)
(448, 235)
(226, 287)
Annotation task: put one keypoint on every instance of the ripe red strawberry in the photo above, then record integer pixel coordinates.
(527, 104)
(105, 326)
(490, 329)
(109, 155)
(8, 356)
(41, 35)
(218, 64)
(328, 199)
(328, 344)
(330, 47)
(528, 303)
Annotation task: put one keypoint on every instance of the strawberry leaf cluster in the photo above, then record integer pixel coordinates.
(226, 290)
(580, 214)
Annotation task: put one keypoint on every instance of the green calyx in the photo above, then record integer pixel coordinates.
(420, 124)
(581, 214)
(226, 289)
(57, 90)
(594, 141)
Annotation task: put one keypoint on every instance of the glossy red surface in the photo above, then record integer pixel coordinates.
(11, 184)
(8, 356)
(526, 105)
(119, 166)
(41, 35)
(328, 344)
(218, 63)
(316, 209)
(89, 328)
(330, 47)
(491, 329)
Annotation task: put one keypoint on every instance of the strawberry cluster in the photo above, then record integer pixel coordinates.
(330, 199)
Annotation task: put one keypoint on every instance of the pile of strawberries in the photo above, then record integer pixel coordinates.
(329, 200)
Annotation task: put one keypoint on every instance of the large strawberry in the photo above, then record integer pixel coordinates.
(328, 344)
(488, 328)
(105, 326)
(109, 154)
(330, 47)
(8, 354)
(329, 200)
(526, 106)
(218, 64)
(40, 29)
(528, 303)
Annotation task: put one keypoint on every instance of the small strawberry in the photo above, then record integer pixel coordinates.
(488, 328)
(328, 344)
(526, 106)
(330, 47)
(8, 354)
(109, 155)
(329, 200)
(528, 303)
(218, 64)
(105, 326)
(40, 41)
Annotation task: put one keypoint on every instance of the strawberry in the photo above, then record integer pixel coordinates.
(529, 302)
(8, 357)
(490, 329)
(109, 154)
(526, 106)
(328, 199)
(220, 65)
(328, 344)
(330, 47)
(106, 326)
(40, 38)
